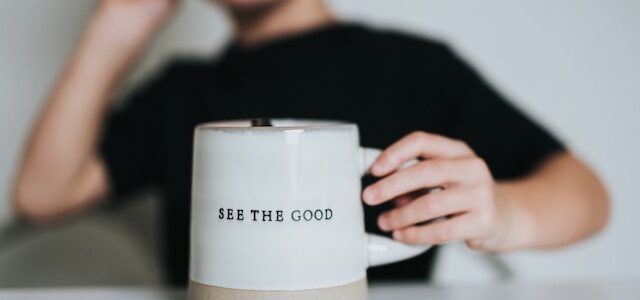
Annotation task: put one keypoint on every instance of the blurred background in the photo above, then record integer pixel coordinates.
(573, 65)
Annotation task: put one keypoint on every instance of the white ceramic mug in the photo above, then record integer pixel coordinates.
(279, 208)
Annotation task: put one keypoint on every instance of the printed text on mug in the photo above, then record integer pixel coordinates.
(259, 215)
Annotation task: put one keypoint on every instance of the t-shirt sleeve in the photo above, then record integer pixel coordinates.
(511, 143)
(130, 142)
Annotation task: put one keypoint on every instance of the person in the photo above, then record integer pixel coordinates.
(508, 183)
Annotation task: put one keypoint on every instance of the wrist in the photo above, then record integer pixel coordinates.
(515, 227)
(122, 31)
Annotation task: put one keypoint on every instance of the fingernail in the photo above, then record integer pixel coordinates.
(369, 195)
(397, 235)
(383, 223)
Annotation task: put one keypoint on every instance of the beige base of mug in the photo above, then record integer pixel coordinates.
(352, 291)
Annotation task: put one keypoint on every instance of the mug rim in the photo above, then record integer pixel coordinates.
(279, 125)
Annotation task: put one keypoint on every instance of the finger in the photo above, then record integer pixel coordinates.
(418, 145)
(425, 208)
(403, 200)
(426, 174)
(457, 228)
(410, 197)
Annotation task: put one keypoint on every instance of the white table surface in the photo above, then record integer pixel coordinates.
(518, 291)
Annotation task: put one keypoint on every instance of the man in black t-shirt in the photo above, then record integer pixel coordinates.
(508, 183)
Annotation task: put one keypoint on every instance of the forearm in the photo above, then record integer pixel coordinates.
(558, 204)
(61, 149)
(66, 132)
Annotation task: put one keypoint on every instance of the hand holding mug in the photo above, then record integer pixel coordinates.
(474, 209)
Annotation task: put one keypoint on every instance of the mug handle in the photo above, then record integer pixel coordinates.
(382, 250)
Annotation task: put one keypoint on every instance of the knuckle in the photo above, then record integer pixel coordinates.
(433, 204)
(395, 218)
(391, 181)
(480, 169)
(376, 186)
(442, 234)
(477, 164)
(474, 244)
(418, 134)
(466, 147)
(408, 214)
(429, 167)
(410, 235)
(424, 168)
(460, 144)
(421, 136)
(389, 157)
(389, 184)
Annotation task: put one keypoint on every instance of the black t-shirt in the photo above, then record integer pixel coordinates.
(390, 84)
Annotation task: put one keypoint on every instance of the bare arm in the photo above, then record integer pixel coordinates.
(61, 172)
(563, 201)
(559, 203)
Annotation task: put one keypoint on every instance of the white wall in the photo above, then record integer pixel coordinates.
(572, 64)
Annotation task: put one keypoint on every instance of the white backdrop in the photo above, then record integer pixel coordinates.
(574, 65)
